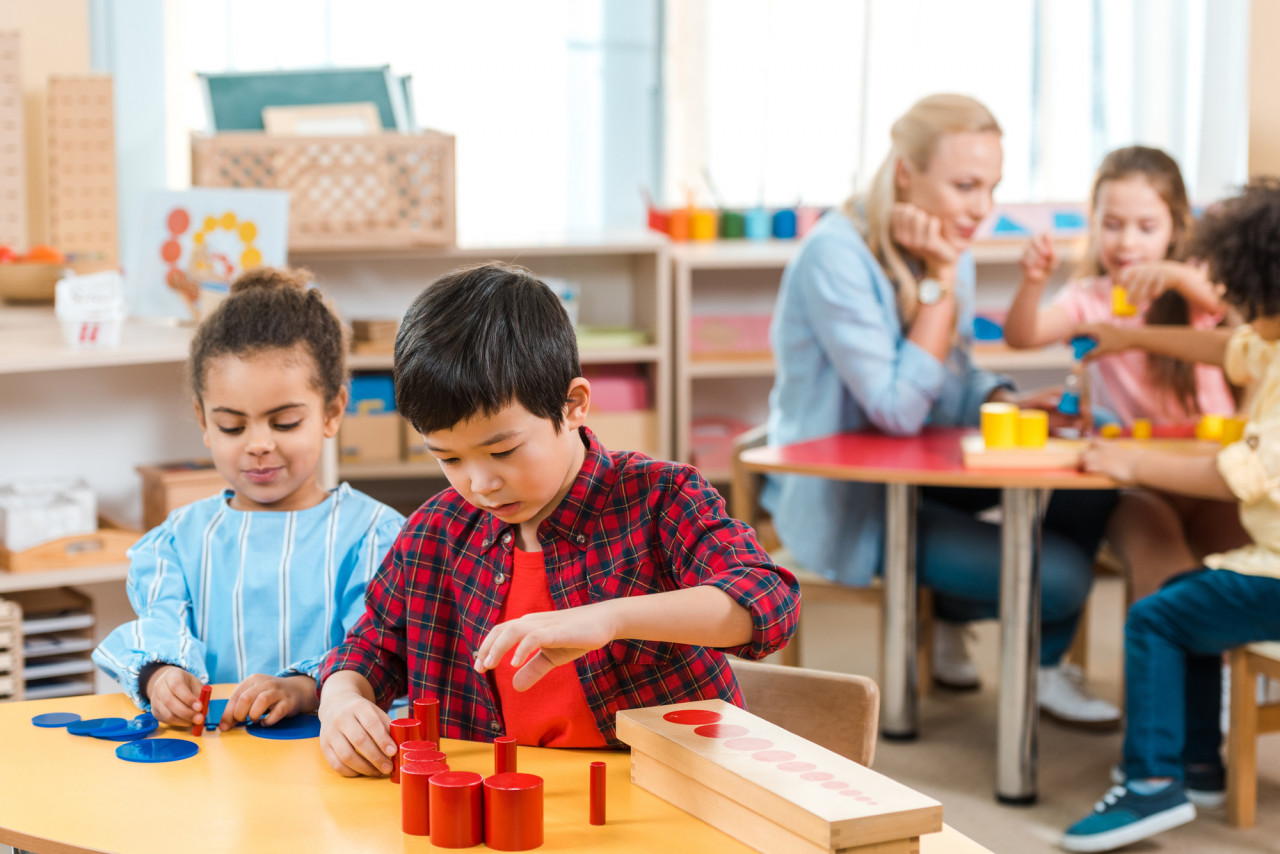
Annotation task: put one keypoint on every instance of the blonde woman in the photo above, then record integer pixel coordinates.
(872, 330)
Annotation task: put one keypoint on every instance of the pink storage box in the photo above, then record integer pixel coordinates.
(729, 333)
(711, 442)
(617, 388)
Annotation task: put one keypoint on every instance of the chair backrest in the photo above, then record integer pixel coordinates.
(838, 711)
(744, 488)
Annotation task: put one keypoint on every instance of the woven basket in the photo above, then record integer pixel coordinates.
(390, 191)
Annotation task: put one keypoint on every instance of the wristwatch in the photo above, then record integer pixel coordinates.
(930, 291)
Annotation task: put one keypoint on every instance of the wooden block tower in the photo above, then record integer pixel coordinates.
(82, 168)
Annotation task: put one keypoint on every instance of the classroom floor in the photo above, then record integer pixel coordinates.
(954, 758)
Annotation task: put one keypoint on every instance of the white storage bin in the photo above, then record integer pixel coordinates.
(91, 309)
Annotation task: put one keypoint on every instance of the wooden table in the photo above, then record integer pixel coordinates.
(933, 458)
(62, 793)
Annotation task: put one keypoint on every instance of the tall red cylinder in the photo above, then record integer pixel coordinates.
(513, 812)
(427, 710)
(598, 770)
(413, 797)
(455, 808)
(402, 730)
(504, 754)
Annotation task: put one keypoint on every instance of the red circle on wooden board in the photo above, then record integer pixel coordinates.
(797, 766)
(774, 755)
(748, 744)
(721, 731)
(835, 784)
(816, 776)
(692, 717)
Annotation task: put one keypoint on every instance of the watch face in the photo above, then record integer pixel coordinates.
(930, 291)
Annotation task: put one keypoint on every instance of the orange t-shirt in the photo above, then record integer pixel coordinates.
(554, 712)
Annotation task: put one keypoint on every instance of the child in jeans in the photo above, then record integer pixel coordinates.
(1174, 639)
(556, 582)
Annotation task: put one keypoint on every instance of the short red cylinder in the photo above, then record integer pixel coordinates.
(413, 797)
(598, 770)
(408, 754)
(402, 730)
(455, 808)
(504, 754)
(513, 812)
(427, 710)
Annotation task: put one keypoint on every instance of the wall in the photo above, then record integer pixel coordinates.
(1264, 95)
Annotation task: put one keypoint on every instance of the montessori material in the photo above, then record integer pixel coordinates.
(1053, 454)
(154, 750)
(427, 710)
(206, 693)
(504, 754)
(597, 813)
(455, 810)
(289, 729)
(768, 787)
(402, 730)
(513, 812)
(999, 424)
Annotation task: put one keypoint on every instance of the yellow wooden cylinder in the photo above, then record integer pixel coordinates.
(999, 425)
(1033, 428)
(1141, 428)
(1232, 429)
(1210, 428)
(1120, 305)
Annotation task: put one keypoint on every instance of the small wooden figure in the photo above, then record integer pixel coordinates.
(598, 771)
(206, 692)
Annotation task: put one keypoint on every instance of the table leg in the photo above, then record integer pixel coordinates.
(899, 712)
(1016, 739)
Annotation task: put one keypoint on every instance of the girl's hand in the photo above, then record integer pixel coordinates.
(174, 695)
(1118, 462)
(1145, 282)
(269, 699)
(920, 233)
(1111, 339)
(546, 639)
(1038, 261)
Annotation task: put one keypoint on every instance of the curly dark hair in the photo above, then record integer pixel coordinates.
(270, 309)
(1240, 238)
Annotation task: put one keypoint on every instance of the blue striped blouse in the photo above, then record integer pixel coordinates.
(225, 593)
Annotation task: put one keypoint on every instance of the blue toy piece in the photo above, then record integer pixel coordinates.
(157, 750)
(298, 726)
(1082, 344)
(986, 329)
(140, 727)
(784, 224)
(94, 725)
(1070, 403)
(53, 720)
(216, 710)
(1006, 227)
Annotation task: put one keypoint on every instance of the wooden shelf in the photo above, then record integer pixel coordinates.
(1000, 357)
(521, 246)
(754, 366)
(1010, 251)
(589, 356)
(734, 254)
(390, 470)
(31, 340)
(13, 581)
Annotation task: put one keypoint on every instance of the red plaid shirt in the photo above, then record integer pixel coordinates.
(628, 526)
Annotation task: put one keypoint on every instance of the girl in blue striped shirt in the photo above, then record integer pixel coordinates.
(254, 585)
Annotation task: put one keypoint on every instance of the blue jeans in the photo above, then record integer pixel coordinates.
(959, 558)
(1174, 640)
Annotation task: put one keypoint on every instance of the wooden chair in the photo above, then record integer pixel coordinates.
(1249, 719)
(744, 504)
(838, 711)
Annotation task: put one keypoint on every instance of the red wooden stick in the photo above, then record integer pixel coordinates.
(597, 792)
(206, 692)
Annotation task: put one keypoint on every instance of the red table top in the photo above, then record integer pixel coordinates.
(932, 458)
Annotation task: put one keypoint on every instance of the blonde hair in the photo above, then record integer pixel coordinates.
(914, 136)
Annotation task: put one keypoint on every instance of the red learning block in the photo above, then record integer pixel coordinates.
(513, 812)
(504, 754)
(414, 799)
(206, 692)
(427, 710)
(598, 770)
(402, 730)
(456, 810)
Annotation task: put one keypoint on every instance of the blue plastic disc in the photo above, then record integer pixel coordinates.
(986, 329)
(216, 710)
(52, 720)
(157, 750)
(94, 725)
(298, 726)
(140, 727)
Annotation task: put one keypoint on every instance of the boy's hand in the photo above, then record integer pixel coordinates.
(1039, 260)
(269, 699)
(355, 735)
(920, 233)
(1111, 339)
(1116, 461)
(546, 639)
(174, 695)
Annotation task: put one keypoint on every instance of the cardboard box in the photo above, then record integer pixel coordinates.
(731, 335)
(627, 431)
(413, 447)
(168, 486)
(371, 435)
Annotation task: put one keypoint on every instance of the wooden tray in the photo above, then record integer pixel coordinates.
(1056, 454)
(108, 544)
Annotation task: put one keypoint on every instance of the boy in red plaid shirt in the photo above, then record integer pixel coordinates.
(555, 582)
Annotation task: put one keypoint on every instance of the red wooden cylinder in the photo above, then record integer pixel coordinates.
(408, 754)
(402, 730)
(206, 691)
(513, 812)
(427, 710)
(504, 754)
(455, 808)
(417, 744)
(598, 770)
(413, 797)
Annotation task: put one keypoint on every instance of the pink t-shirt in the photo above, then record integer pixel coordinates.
(1121, 382)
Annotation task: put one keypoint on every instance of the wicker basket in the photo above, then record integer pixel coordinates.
(389, 191)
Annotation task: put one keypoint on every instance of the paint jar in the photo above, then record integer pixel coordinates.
(784, 224)
(702, 224)
(806, 218)
(756, 224)
(999, 425)
(678, 224)
(732, 225)
(658, 220)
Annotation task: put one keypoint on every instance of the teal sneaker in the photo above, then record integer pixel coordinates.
(1204, 785)
(1123, 817)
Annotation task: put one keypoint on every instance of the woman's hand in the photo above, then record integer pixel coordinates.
(1038, 261)
(1145, 282)
(920, 233)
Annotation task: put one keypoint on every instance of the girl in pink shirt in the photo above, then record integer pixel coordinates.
(1140, 222)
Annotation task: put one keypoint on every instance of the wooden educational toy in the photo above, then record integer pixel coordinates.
(402, 730)
(206, 693)
(415, 803)
(455, 811)
(769, 788)
(427, 710)
(10, 651)
(1054, 454)
(513, 817)
(504, 754)
(13, 167)
(598, 777)
(82, 168)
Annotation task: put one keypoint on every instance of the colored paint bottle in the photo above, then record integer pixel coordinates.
(658, 220)
(678, 224)
(756, 224)
(732, 225)
(702, 224)
(784, 224)
(806, 218)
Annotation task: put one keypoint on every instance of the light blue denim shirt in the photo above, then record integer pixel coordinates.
(844, 363)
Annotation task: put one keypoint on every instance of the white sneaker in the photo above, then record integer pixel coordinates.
(952, 666)
(1064, 698)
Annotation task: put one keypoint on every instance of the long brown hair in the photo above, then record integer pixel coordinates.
(1170, 308)
(914, 136)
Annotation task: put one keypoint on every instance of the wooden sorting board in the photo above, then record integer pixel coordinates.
(1066, 453)
(768, 787)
